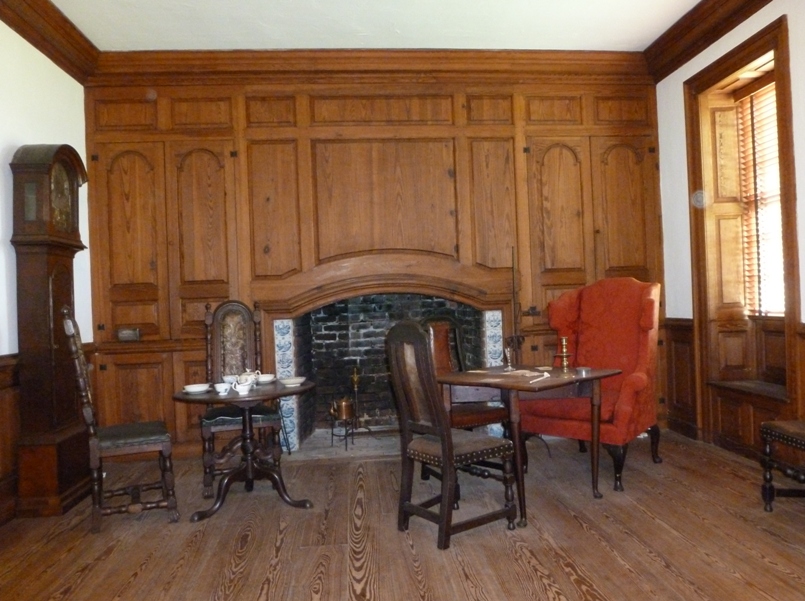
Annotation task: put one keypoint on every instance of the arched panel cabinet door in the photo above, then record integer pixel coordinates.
(626, 207)
(128, 229)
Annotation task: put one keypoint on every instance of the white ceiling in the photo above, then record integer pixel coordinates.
(623, 25)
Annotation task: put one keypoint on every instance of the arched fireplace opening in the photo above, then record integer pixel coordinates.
(341, 347)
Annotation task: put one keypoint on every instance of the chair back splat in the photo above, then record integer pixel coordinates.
(233, 345)
(426, 436)
(117, 440)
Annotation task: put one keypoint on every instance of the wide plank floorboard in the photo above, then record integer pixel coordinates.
(690, 528)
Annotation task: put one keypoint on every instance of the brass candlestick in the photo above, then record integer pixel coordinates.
(563, 355)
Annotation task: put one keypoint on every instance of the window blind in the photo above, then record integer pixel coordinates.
(760, 193)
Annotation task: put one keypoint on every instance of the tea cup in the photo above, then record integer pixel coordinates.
(223, 388)
(230, 379)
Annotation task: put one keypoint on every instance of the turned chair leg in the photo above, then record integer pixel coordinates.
(406, 490)
(767, 490)
(168, 484)
(618, 454)
(446, 508)
(654, 436)
(208, 459)
(96, 473)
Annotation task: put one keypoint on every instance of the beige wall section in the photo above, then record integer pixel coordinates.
(39, 104)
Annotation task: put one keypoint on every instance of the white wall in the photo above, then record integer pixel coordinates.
(39, 104)
(673, 161)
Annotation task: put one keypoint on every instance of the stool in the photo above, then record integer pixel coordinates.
(792, 434)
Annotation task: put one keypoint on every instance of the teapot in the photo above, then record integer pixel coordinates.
(248, 378)
(342, 409)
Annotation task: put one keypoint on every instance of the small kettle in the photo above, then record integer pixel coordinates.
(342, 409)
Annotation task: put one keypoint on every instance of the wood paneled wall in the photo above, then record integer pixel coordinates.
(356, 174)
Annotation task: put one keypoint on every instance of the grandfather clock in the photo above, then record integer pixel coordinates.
(53, 449)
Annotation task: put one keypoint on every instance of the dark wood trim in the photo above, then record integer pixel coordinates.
(48, 30)
(702, 25)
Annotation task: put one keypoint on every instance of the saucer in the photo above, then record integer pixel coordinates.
(197, 388)
(292, 381)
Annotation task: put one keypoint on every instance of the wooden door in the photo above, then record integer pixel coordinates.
(201, 241)
(128, 230)
(626, 207)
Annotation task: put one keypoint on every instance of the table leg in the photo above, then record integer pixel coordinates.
(595, 408)
(223, 487)
(512, 399)
(252, 463)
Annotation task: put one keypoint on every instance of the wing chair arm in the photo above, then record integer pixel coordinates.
(629, 396)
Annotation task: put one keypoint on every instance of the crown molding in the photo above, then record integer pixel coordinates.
(425, 66)
(47, 29)
(700, 27)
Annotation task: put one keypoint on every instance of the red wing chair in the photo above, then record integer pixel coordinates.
(609, 324)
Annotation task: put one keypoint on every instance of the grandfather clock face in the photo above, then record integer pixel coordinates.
(46, 182)
(61, 199)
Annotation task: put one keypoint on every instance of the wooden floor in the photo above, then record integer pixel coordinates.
(692, 528)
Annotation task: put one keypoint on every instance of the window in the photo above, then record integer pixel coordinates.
(760, 197)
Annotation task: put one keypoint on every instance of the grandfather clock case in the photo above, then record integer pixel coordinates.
(53, 452)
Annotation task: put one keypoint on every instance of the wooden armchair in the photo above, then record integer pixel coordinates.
(611, 323)
(426, 436)
(233, 345)
(118, 440)
(469, 407)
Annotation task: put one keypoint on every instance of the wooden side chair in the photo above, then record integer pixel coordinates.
(427, 436)
(789, 433)
(119, 440)
(233, 344)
